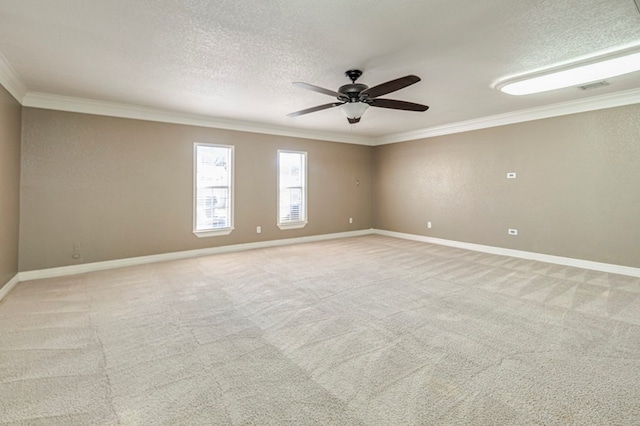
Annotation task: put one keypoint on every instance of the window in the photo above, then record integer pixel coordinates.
(213, 190)
(292, 189)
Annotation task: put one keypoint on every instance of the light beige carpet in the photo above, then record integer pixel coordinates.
(369, 330)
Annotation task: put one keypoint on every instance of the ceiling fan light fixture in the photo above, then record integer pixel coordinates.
(576, 75)
(354, 110)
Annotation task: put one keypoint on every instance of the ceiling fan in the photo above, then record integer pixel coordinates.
(355, 98)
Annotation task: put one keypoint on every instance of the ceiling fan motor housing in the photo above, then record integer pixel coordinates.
(352, 91)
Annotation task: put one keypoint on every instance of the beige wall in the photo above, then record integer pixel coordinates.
(577, 192)
(123, 188)
(10, 124)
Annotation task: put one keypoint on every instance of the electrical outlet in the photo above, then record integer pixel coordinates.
(350, 220)
(513, 232)
(511, 175)
(429, 225)
(258, 229)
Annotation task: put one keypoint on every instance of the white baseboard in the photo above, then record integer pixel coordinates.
(5, 289)
(119, 263)
(558, 260)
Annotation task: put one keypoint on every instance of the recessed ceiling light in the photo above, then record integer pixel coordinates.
(572, 75)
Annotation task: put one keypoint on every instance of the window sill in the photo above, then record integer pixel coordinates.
(293, 225)
(213, 232)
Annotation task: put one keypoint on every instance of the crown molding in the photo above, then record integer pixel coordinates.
(611, 100)
(10, 80)
(113, 109)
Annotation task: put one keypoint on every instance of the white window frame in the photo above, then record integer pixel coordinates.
(303, 221)
(213, 232)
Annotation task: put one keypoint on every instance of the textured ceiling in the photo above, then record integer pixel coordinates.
(237, 59)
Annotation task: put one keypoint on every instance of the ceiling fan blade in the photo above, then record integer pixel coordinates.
(318, 89)
(393, 104)
(353, 120)
(313, 109)
(389, 86)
